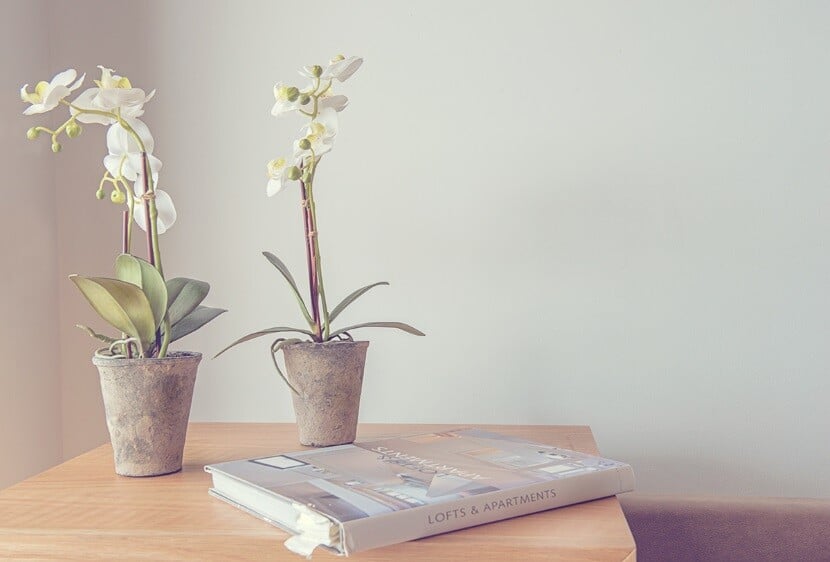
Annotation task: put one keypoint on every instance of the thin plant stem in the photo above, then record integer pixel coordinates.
(311, 262)
(147, 199)
(125, 249)
(125, 227)
(154, 251)
(315, 238)
(128, 226)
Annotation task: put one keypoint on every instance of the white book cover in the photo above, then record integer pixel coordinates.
(383, 491)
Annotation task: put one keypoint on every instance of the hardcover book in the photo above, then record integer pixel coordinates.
(384, 491)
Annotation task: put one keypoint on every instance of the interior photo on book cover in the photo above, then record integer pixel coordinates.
(381, 476)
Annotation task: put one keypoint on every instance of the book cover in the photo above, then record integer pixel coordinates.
(383, 491)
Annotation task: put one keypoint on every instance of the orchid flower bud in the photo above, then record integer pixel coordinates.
(73, 129)
(32, 133)
(293, 93)
(294, 173)
(56, 147)
(316, 70)
(117, 197)
(304, 144)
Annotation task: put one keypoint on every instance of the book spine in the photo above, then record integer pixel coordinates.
(424, 521)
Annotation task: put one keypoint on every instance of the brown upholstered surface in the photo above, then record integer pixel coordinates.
(729, 529)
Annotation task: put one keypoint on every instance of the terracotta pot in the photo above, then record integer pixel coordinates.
(147, 403)
(329, 378)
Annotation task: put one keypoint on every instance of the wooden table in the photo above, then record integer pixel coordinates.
(81, 510)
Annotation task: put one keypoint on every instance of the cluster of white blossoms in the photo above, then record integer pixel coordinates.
(320, 104)
(116, 104)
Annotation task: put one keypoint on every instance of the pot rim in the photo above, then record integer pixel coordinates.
(330, 343)
(173, 356)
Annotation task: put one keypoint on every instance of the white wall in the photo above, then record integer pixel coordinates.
(600, 213)
(30, 407)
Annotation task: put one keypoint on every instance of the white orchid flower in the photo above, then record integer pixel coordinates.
(164, 206)
(327, 98)
(124, 158)
(48, 95)
(109, 81)
(113, 92)
(336, 102)
(277, 176)
(341, 68)
(284, 96)
(320, 133)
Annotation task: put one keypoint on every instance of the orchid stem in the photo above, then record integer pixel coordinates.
(125, 237)
(312, 212)
(313, 236)
(153, 249)
(125, 249)
(311, 262)
(128, 227)
(147, 199)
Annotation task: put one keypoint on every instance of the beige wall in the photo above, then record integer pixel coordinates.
(114, 34)
(54, 226)
(601, 213)
(30, 405)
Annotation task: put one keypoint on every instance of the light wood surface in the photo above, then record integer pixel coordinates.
(81, 510)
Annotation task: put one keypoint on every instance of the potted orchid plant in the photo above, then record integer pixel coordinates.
(324, 368)
(147, 388)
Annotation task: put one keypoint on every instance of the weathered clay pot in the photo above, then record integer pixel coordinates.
(147, 403)
(329, 378)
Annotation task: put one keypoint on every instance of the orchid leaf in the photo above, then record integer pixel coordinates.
(183, 296)
(351, 298)
(283, 269)
(398, 325)
(193, 321)
(123, 305)
(263, 333)
(145, 276)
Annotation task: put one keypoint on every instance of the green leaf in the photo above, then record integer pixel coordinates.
(263, 333)
(183, 296)
(351, 298)
(123, 305)
(193, 321)
(144, 275)
(281, 267)
(398, 325)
